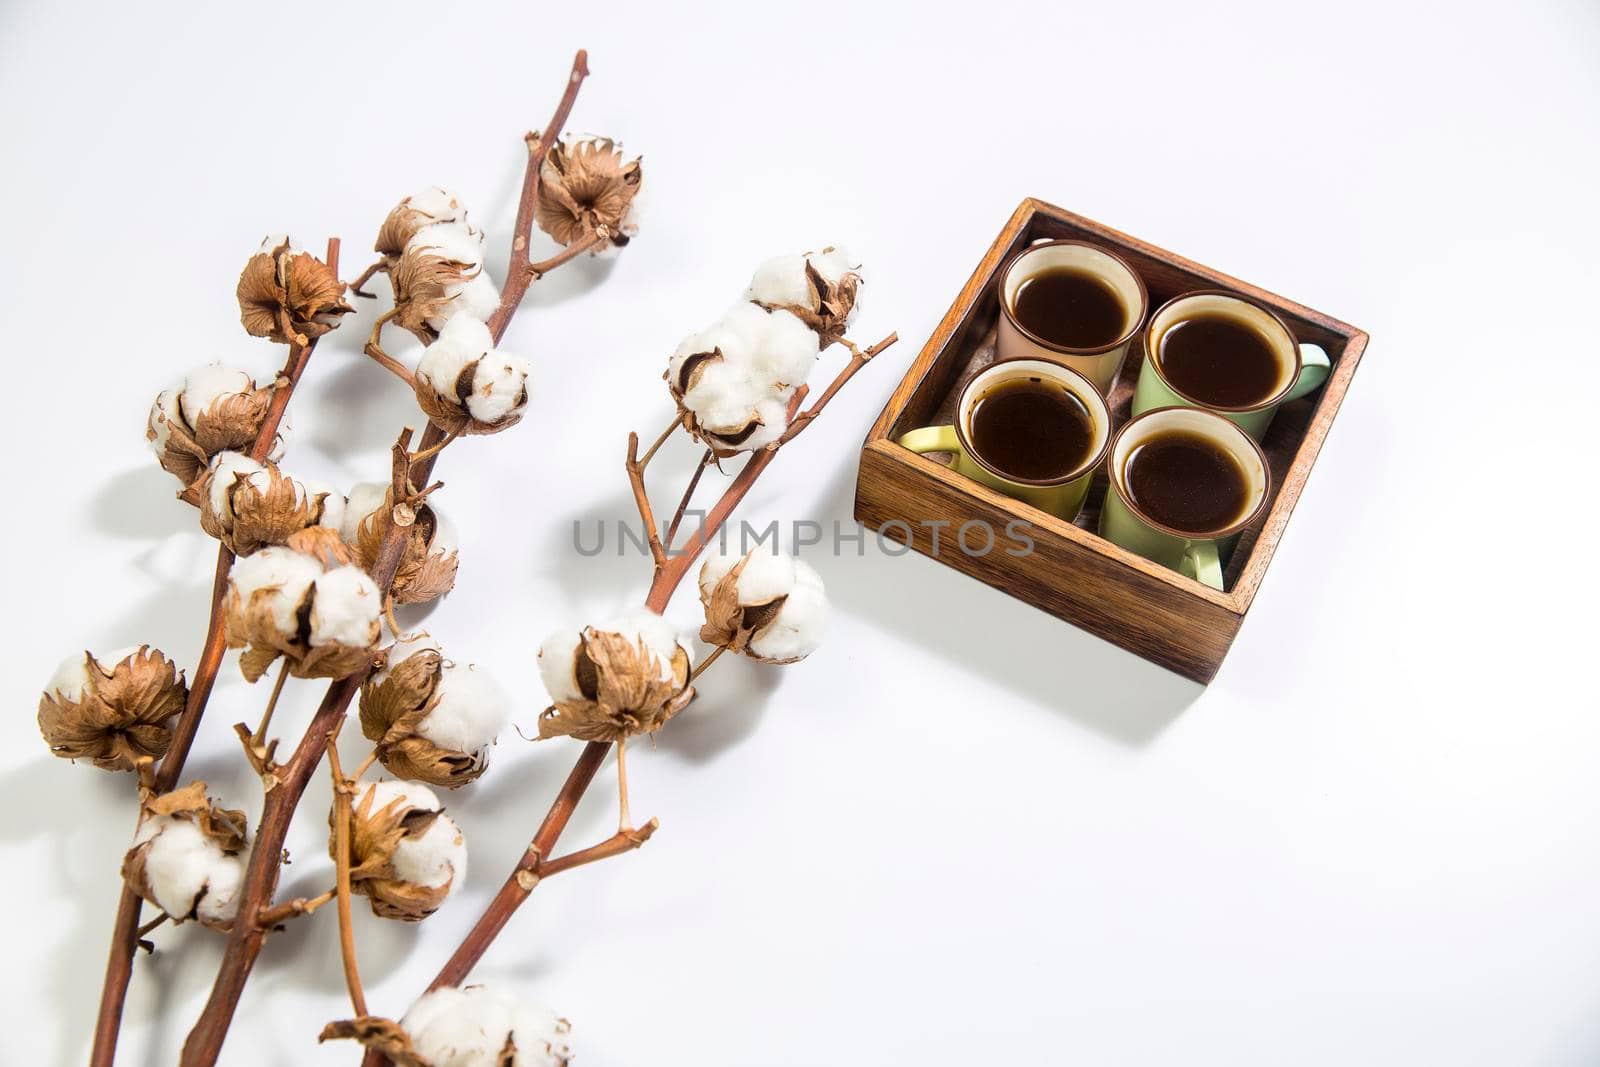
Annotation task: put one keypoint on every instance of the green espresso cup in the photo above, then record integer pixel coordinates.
(1194, 553)
(1301, 368)
(1062, 496)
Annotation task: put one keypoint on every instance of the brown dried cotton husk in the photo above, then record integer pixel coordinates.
(230, 423)
(226, 827)
(381, 1035)
(289, 296)
(585, 190)
(623, 691)
(122, 717)
(374, 836)
(423, 574)
(420, 278)
(733, 625)
(250, 622)
(392, 707)
(402, 224)
(260, 517)
(827, 309)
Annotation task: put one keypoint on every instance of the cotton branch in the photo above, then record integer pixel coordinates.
(520, 884)
(125, 932)
(204, 1043)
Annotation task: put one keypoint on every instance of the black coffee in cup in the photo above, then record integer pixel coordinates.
(1219, 361)
(1186, 482)
(1071, 308)
(1032, 429)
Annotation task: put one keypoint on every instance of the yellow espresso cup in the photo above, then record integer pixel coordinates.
(1062, 495)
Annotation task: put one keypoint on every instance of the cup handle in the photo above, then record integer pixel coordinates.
(1314, 370)
(931, 439)
(1201, 562)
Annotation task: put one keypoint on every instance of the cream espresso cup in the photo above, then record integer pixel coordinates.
(1195, 553)
(1301, 368)
(1100, 364)
(1063, 495)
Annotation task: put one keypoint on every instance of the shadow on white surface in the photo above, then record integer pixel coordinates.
(139, 504)
(1038, 657)
(723, 715)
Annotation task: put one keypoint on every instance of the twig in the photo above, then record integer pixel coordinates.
(622, 784)
(366, 276)
(262, 758)
(517, 277)
(342, 790)
(858, 359)
(625, 840)
(641, 500)
(124, 932)
(535, 271)
(268, 918)
(434, 450)
(374, 349)
(688, 495)
(260, 736)
(390, 364)
(365, 766)
(659, 441)
(701, 667)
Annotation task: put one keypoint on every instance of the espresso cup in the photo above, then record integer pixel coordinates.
(1100, 362)
(1062, 495)
(1195, 553)
(1300, 368)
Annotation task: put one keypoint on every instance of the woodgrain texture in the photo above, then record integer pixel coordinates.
(1071, 572)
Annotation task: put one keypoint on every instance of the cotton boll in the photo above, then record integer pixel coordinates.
(365, 498)
(499, 387)
(557, 656)
(454, 241)
(469, 1027)
(438, 204)
(166, 410)
(798, 629)
(403, 650)
(334, 504)
(226, 469)
(435, 857)
(183, 869)
(446, 538)
(780, 280)
(832, 263)
(788, 352)
(658, 635)
(72, 676)
(274, 241)
(471, 711)
(203, 385)
(346, 608)
(460, 342)
(288, 576)
(724, 398)
(766, 576)
(476, 298)
(773, 414)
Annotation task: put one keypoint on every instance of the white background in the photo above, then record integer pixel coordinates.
(963, 832)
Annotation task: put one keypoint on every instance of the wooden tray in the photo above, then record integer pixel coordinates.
(1072, 573)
